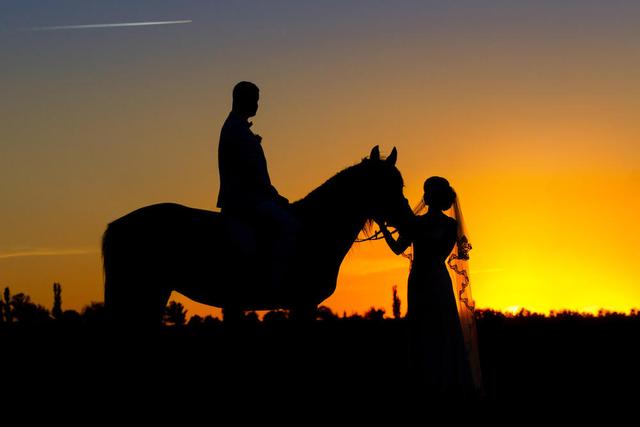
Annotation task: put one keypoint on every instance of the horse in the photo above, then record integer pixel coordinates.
(167, 247)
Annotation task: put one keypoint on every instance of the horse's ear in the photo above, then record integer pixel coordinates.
(375, 153)
(392, 157)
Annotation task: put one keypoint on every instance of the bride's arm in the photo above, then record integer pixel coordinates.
(397, 246)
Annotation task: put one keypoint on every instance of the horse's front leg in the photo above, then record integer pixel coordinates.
(232, 315)
(303, 313)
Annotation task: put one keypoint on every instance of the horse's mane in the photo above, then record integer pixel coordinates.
(335, 187)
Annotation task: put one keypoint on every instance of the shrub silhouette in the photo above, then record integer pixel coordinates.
(211, 321)
(71, 316)
(56, 311)
(275, 316)
(396, 304)
(23, 310)
(195, 320)
(251, 317)
(6, 305)
(2, 315)
(325, 313)
(376, 314)
(94, 313)
(175, 314)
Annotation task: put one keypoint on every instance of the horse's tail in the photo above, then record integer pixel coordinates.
(121, 289)
(133, 289)
(108, 267)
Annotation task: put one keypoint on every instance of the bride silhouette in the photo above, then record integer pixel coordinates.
(443, 353)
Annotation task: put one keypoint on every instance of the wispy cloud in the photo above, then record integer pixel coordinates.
(46, 252)
(109, 25)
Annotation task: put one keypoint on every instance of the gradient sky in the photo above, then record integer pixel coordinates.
(530, 108)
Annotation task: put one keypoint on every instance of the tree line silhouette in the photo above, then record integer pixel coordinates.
(20, 308)
(524, 355)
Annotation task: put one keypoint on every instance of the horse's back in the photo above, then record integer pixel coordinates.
(148, 252)
(165, 213)
(203, 254)
(163, 230)
(209, 257)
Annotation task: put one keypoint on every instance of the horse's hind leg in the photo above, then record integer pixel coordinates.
(135, 301)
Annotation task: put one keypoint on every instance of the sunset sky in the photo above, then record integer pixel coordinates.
(529, 108)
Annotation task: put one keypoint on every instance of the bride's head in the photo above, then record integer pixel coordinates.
(438, 194)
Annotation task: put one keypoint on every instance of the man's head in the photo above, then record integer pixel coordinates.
(245, 99)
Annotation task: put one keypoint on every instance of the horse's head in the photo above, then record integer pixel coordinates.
(384, 197)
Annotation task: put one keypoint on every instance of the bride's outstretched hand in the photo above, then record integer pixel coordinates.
(397, 246)
(380, 223)
(383, 228)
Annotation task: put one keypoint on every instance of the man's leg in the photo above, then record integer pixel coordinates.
(284, 239)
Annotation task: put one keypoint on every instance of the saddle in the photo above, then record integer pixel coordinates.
(242, 235)
(260, 247)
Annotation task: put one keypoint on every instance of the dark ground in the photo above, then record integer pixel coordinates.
(529, 361)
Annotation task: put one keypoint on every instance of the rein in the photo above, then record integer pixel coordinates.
(376, 236)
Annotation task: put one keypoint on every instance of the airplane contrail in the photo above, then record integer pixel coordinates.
(112, 25)
(46, 252)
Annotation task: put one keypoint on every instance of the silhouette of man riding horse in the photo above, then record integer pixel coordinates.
(246, 193)
(259, 252)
